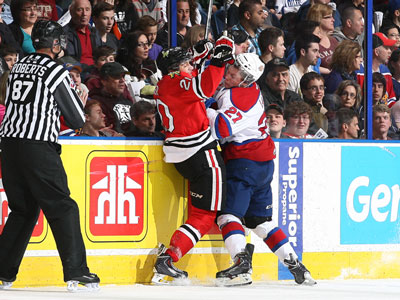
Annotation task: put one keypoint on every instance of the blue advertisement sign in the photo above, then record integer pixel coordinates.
(290, 211)
(370, 195)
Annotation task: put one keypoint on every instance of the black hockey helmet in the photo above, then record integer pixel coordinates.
(169, 60)
(45, 34)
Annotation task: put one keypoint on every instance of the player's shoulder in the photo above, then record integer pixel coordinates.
(244, 98)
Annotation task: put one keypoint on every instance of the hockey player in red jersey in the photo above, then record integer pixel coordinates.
(190, 145)
(248, 151)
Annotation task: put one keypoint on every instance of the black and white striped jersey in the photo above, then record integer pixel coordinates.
(38, 91)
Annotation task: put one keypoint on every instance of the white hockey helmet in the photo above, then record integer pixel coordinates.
(251, 67)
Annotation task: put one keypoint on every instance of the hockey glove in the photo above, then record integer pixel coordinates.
(223, 52)
(201, 52)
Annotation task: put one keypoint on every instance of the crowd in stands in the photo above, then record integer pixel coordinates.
(312, 49)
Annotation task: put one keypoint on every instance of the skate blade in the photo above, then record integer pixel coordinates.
(241, 279)
(74, 287)
(308, 279)
(161, 279)
(6, 285)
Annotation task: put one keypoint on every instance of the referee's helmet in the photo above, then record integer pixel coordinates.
(46, 34)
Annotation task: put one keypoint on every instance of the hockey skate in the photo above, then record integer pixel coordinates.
(240, 272)
(164, 268)
(88, 283)
(6, 283)
(299, 271)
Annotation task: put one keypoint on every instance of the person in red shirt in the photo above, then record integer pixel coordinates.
(190, 145)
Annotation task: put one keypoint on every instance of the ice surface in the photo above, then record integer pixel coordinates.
(276, 290)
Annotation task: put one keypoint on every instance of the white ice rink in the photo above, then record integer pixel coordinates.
(274, 290)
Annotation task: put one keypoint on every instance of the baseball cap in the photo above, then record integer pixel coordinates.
(379, 39)
(276, 107)
(275, 62)
(239, 36)
(72, 66)
(113, 69)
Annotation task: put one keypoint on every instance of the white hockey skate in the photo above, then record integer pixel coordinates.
(299, 271)
(84, 283)
(240, 272)
(164, 268)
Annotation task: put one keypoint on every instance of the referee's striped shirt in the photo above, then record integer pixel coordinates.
(38, 91)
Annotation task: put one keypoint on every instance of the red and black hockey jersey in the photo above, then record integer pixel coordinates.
(183, 114)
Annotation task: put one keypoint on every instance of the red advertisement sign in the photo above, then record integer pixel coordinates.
(116, 196)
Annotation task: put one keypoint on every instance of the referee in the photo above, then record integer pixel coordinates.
(38, 92)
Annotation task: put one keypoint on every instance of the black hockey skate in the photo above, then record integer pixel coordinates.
(164, 267)
(6, 283)
(299, 271)
(89, 282)
(240, 272)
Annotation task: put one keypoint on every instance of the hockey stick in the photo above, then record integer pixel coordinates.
(225, 31)
(208, 24)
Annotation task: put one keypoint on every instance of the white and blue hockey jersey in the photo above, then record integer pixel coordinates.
(240, 124)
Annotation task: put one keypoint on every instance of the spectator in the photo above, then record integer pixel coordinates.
(307, 52)
(393, 33)
(103, 18)
(75, 71)
(272, 44)
(394, 67)
(352, 26)
(381, 122)
(115, 106)
(24, 13)
(195, 34)
(47, 10)
(125, 16)
(233, 13)
(275, 120)
(298, 116)
(378, 88)
(94, 119)
(274, 87)
(313, 90)
(302, 13)
(149, 26)
(346, 60)
(348, 124)
(150, 8)
(81, 36)
(283, 7)
(323, 14)
(252, 17)
(381, 46)
(143, 116)
(393, 14)
(183, 16)
(9, 54)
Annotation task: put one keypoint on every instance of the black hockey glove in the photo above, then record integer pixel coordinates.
(201, 52)
(223, 52)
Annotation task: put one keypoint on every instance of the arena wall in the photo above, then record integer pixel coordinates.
(338, 202)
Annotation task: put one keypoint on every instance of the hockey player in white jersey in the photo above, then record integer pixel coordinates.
(248, 150)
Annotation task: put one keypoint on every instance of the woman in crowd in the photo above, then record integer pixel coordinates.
(24, 13)
(323, 14)
(195, 34)
(345, 61)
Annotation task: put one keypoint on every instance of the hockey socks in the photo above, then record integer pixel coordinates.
(234, 238)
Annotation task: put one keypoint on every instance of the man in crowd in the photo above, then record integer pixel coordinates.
(313, 90)
(150, 8)
(352, 26)
(275, 120)
(298, 116)
(307, 53)
(272, 44)
(80, 35)
(149, 26)
(182, 19)
(103, 19)
(114, 104)
(381, 122)
(274, 87)
(348, 123)
(143, 116)
(252, 17)
(94, 119)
